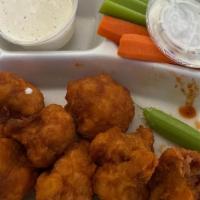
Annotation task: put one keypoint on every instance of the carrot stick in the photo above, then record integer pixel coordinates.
(140, 47)
(113, 28)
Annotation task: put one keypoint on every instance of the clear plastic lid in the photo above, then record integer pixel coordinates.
(175, 27)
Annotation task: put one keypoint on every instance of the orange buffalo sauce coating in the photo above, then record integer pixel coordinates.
(187, 111)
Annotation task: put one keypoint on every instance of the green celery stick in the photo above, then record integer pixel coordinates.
(135, 5)
(113, 9)
(172, 129)
(145, 1)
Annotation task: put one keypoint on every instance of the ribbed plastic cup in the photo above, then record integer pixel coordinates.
(174, 25)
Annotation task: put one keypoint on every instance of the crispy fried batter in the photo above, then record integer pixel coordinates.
(48, 136)
(17, 176)
(70, 178)
(114, 146)
(177, 176)
(99, 103)
(19, 101)
(126, 164)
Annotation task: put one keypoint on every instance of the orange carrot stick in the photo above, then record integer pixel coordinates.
(113, 28)
(141, 47)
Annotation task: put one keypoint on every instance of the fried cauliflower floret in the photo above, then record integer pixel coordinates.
(70, 178)
(17, 176)
(18, 101)
(99, 103)
(177, 176)
(19, 96)
(114, 146)
(126, 163)
(48, 136)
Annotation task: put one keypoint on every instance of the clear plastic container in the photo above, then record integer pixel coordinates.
(54, 41)
(174, 25)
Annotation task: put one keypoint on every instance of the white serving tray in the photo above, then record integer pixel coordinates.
(150, 84)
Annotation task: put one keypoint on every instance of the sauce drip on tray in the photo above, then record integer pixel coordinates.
(190, 90)
(187, 111)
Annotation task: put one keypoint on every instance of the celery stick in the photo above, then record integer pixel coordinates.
(116, 10)
(172, 129)
(145, 1)
(135, 5)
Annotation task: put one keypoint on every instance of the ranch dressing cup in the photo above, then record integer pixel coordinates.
(174, 25)
(38, 24)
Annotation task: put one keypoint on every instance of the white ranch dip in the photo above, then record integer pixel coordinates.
(175, 27)
(29, 22)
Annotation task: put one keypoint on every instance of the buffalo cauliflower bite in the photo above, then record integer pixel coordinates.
(70, 177)
(99, 103)
(47, 136)
(20, 101)
(126, 163)
(177, 176)
(17, 176)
